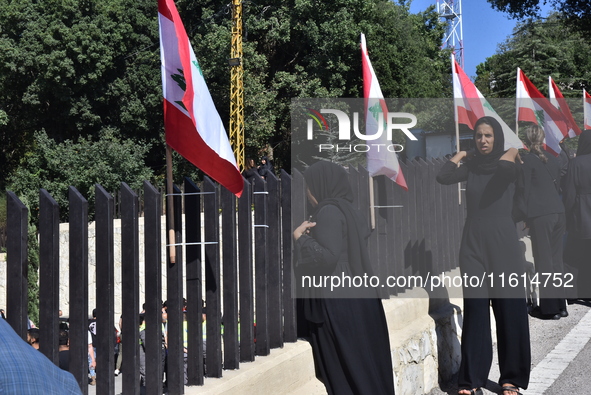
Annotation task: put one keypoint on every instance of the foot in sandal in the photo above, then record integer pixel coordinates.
(509, 389)
(475, 391)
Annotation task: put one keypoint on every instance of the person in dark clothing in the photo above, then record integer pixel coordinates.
(349, 336)
(546, 221)
(250, 169)
(266, 167)
(564, 158)
(490, 248)
(64, 350)
(577, 204)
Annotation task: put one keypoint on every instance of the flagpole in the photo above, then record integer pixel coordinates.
(170, 207)
(372, 211)
(457, 124)
(517, 106)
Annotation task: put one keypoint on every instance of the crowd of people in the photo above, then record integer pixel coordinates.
(349, 335)
(503, 188)
(64, 343)
(251, 169)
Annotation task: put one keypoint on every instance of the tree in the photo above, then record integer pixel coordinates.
(57, 166)
(306, 48)
(541, 48)
(77, 68)
(577, 12)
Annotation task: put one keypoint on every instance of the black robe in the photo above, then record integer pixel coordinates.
(349, 336)
(348, 333)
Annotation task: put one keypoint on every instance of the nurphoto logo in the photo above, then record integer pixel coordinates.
(389, 123)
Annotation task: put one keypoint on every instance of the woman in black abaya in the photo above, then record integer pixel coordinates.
(545, 219)
(490, 247)
(348, 335)
(577, 202)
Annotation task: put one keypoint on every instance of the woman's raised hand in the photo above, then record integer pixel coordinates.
(303, 228)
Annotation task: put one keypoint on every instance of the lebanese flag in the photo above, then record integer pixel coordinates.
(192, 124)
(559, 102)
(587, 109)
(471, 106)
(379, 161)
(532, 106)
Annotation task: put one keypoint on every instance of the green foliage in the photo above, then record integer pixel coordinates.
(33, 274)
(577, 12)
(307, 48)
(540, 49)
(76, 68)
(3, 215)
(86, 68)
(57, 166)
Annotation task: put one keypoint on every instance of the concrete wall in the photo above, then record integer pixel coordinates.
(425, 347)
(64, 303)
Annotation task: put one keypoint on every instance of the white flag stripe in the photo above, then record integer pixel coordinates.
(379, 161)
(472, 105)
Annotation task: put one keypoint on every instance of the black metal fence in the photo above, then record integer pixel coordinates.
(247, 285)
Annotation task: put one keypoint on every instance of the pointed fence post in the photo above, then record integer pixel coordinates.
(194, 283)
(105, 290)
(130, 274)
(261, 266)
(245, 239)
(213, 358)
(230, 279)
(17, 262)
(174, 300)
(79, 288)
(49, 272)
(153, 287)
(289, 301)
(274, 264)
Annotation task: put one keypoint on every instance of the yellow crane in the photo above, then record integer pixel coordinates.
(237, 86)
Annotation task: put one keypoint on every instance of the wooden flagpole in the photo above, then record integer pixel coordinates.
(372, 204)
(170, 206)
(457, 124)
(517, 106)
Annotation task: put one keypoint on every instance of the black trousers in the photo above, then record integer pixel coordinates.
(490, 250)
(547, 233)
(512, 341)
(578, 256)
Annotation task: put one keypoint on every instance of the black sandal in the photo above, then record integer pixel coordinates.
(511, 388)
(477, 391)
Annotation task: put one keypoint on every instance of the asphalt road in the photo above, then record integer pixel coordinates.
(561, 356)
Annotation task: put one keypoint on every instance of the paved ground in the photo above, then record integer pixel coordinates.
(561, 355)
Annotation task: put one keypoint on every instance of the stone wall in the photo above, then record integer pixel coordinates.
(424, 337)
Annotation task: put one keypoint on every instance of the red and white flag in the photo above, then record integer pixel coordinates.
(379, 161)
(559, 102)
(471, 106)
(587, 109)
(533, 106)
(192, 124)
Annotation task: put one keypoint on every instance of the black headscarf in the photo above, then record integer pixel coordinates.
(266, 168)
(584, 147)
(329, 184)
(487, 164)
